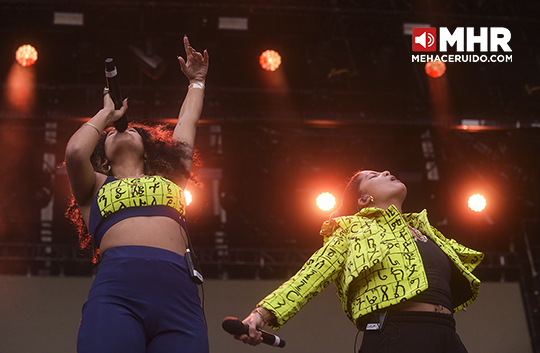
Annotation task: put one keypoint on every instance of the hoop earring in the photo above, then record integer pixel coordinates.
(107, 168)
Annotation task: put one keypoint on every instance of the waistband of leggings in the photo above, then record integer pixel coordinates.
(422, 317)
(140, 251)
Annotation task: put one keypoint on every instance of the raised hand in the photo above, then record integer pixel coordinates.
(195, 67)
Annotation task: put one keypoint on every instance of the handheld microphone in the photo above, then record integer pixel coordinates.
(235, 327)
(111, 74)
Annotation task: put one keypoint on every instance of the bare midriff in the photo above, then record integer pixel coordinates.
(155, 231)
(416, 306)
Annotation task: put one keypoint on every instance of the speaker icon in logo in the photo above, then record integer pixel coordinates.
(424, 39)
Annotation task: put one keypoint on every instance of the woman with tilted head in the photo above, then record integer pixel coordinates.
(398, 278)
(128, 189)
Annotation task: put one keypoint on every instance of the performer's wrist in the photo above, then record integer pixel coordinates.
(198, 78)
(261, 312)
(94, 127)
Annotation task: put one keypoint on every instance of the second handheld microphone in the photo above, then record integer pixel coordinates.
(236, 327)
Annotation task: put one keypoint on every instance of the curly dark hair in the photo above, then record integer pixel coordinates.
(165, 157)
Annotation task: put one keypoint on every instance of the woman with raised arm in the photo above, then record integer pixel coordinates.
(398, 278)
(128, 192)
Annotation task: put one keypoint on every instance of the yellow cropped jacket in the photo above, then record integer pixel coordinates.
(374, 262)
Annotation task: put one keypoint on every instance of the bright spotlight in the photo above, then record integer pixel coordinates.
(326, 201)
(477, 202)
(270, 60)
(26, 55)
(188, 196)
(435, 68)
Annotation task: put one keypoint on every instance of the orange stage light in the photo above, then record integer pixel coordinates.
(188, 196)
(326, 201)
(26, 55)
(435, 68)
(270, 60)
(477, 203)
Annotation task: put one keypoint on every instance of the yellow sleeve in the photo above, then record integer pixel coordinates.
(316, 274)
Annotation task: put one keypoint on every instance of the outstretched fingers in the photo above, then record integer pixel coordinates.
(191, 53)
(195, 65)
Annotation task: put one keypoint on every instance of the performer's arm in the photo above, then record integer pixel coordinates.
(318, 272)
(195, 67)
(80, 146)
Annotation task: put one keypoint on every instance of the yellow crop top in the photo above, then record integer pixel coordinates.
(119, 199)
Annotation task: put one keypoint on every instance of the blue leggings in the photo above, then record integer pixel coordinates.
(142, 301)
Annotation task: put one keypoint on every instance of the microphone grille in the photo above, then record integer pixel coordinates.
(109, 64)
(233, 326)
